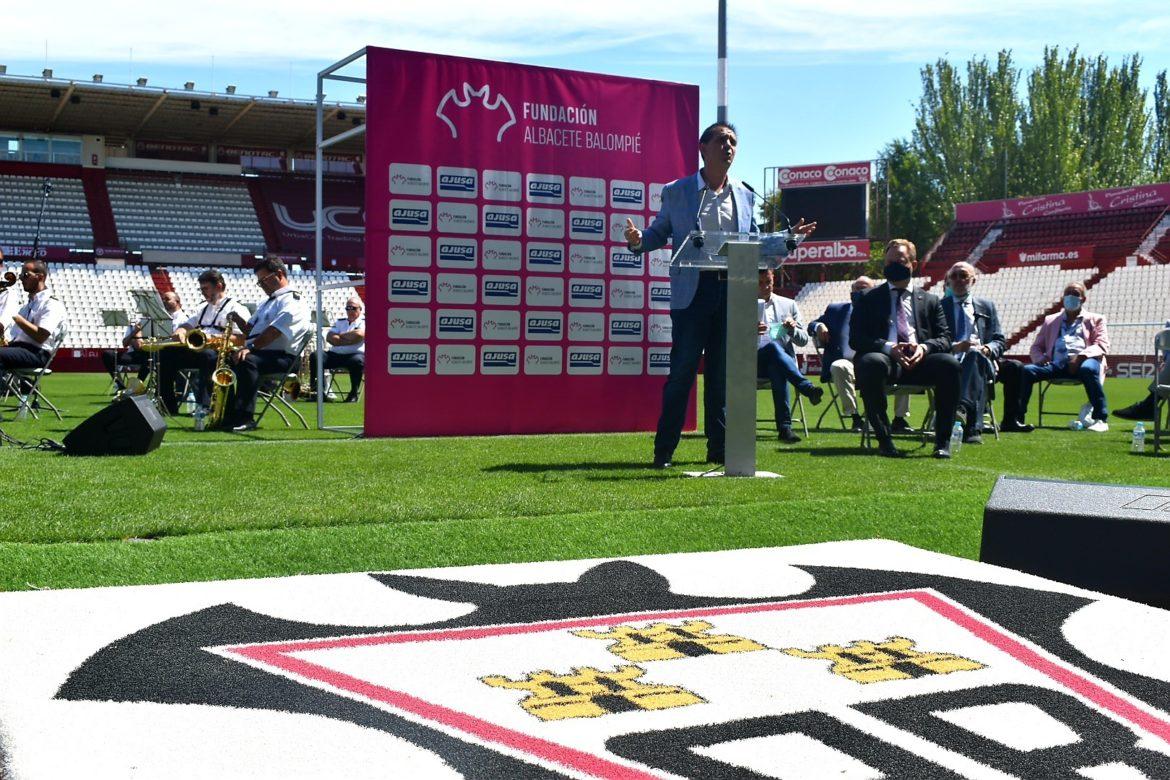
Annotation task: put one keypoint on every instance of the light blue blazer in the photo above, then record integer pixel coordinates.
(680, 208)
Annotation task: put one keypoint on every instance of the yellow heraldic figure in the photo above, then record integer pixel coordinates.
(666, 642)
(894, 659)
(591, 693)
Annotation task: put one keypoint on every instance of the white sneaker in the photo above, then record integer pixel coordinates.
(1098, 426)
(1086, 415)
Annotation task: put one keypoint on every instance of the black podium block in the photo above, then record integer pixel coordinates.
(1109, 538)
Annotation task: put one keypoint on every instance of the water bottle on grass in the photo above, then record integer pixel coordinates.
(1139, 438)
(956, 438)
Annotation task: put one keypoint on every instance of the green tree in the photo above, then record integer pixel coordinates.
(1160, 131)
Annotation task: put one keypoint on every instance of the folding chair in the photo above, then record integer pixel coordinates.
(763, 383)
(33, 376)
(271, 387)
(1161, 396)
(1046, 384)
(927, 419)
(834, 403)
(989, 410)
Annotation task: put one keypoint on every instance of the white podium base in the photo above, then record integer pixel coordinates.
(757, 475)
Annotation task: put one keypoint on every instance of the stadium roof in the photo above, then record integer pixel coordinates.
(119, 112)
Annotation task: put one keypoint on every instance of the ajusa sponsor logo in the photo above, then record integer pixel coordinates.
(586, 292)
(659, 361)
(455, 183)
(588, 226)
(501, 290)
(409, 359)
(410, 216)
(457, 254)
(456, 325)
(627, 194)
(410, 288)
(543, 326)
(625, 327)
(544, 190)
(500, 358)
(625, 262)
(660, 293)
(501, 220)
(585, 359)
(546, 256)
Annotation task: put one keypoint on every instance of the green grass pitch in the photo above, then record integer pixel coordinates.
(285, 501)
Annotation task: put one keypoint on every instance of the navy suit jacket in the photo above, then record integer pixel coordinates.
(872, 315)
(835, 318)
(986, 323)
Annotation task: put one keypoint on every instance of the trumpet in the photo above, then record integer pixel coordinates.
(197, 341)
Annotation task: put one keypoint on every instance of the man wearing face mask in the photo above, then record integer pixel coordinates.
(1071, 344)
(711, 201)
(978, 343)
(831, 330)
(780, 332)
(901, 335)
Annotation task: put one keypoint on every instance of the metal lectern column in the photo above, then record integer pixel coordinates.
(743, 261)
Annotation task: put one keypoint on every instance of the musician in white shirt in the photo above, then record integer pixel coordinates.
(347, 338)
(212, 319)
(274, 338)
(36, 327)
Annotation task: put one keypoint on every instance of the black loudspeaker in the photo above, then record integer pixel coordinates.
(129, 426)
(1109, 538)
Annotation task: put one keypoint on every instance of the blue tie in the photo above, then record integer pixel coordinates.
(960, 321)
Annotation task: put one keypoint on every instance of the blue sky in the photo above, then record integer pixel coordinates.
(810, 80)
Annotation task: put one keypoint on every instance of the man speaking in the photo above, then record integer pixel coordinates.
(708, 201)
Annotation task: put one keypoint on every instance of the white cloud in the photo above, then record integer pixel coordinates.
(304, 30)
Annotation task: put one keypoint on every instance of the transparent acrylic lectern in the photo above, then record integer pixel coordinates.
(742, 256)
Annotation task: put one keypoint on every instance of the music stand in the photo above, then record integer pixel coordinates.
(157, 320)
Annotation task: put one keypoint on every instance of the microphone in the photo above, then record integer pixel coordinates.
(697, 240)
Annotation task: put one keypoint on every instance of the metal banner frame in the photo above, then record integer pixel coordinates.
(329, 73)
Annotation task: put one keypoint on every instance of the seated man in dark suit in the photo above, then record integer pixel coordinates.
(978, 343)
(901, 335)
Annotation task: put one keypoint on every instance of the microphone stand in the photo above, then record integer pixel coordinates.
(46, 188)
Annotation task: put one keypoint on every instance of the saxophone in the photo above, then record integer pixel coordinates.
(223, 379)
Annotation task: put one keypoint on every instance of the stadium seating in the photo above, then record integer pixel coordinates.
(173, 213)
(1135, 294)
(66, 221)
(958, 244)
(87, 290)
(1113, 235)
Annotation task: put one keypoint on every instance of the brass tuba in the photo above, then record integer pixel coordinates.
(223, 379)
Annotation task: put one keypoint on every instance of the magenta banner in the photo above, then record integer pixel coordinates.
(824, 175)
(1065, 203)
(501, 298)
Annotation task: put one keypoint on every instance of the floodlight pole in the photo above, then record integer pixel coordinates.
(721, 86)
